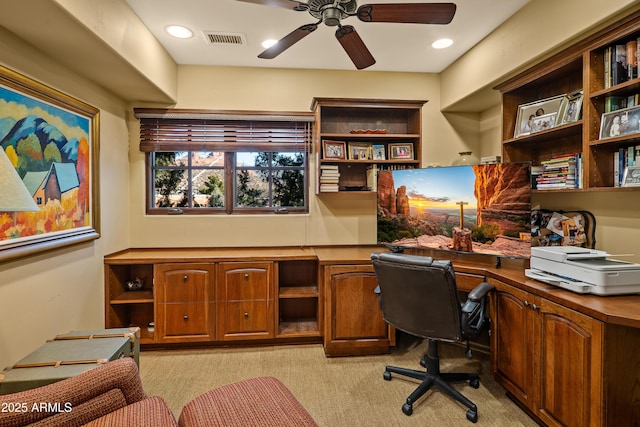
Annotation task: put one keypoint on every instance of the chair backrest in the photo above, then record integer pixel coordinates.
(418, 295)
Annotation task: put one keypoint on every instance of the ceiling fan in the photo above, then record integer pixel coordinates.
(332, 12)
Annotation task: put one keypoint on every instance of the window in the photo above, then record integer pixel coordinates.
(214, 162)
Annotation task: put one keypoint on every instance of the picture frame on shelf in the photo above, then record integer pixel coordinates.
(620, 122)
(401, 151)
(631, 176)
(333, 150)
(543, 122)
(379, 152)
(571, 108)
(529, 111)
(358, 151)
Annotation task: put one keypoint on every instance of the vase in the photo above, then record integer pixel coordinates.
(465, 158)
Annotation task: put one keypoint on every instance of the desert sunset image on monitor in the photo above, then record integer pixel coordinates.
(481, 209)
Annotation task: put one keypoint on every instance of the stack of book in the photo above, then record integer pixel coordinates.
(623, 158)
(560, 172)
(329, 178)
(620, 62)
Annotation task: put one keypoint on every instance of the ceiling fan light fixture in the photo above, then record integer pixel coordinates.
(332, 16)
(268, 43)
(179, 31)
(441, 43)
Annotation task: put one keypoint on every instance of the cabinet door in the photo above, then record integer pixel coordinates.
(185, 302)
(245, 295)
(353, 320)
(512, 340)
(570, 368)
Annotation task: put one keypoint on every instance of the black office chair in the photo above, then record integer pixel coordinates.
(418, 295)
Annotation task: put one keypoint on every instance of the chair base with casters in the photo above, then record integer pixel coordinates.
(432, 377)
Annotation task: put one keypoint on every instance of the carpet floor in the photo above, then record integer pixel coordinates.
(339, 391)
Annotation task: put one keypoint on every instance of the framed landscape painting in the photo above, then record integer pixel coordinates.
(48, 160)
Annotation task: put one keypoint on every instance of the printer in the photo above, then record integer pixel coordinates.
(582, 270)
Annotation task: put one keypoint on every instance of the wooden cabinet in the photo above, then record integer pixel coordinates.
(392, 125)
(124, 308)
(548, 356)
(185, 302)
(353, 320)
(298, 307)
(245, 298)
(578, 67)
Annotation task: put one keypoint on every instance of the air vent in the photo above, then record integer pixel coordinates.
(219, 38)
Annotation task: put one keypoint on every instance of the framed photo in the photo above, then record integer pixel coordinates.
(359, 151)
(48, 168)
(620, 122)
(379, 152)
(528, 112)
(544, 122)
(571, 108)
(401, 151)
(631, 176)
(333, 150)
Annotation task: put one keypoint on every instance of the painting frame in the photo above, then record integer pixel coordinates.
(333, 150)
(401, 151)
(528, 111)
(32, 112)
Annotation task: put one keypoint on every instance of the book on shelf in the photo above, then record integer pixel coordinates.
(329, 178)
(624, 157)
(372, 177)
(619, 64)
(558, 172)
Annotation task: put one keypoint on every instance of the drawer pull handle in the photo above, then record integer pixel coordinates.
(535, 307)
(246, 315)
(185, 317)
(526, 303)
(246, 276)
(185, 278)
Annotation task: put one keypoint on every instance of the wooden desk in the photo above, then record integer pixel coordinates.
(568, 359)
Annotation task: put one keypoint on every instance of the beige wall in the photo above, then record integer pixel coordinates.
(61, 290)
(333, 219)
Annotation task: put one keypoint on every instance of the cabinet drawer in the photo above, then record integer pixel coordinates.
(467, 281)
(245, 283)
(185, 319)
(188, 283)
(246, 317)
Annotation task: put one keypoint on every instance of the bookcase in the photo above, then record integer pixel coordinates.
(357, 137)
(582, 66)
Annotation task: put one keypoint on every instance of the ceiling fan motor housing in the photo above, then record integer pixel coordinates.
(331, 12)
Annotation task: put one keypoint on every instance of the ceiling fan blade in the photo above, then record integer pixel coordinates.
(287, 4)
(355, 47)
(408, 13)
(287, 41)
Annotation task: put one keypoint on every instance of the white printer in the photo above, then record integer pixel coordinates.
(586, 271)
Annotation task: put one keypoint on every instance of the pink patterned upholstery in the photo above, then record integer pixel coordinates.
(77, 400)
(112, 395)
(262, 401)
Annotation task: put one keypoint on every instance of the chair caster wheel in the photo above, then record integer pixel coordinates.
(386, 375)
(474, 383)
(408, 409)
(472, 415)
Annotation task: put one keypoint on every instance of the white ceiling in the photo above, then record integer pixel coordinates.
(396, 47)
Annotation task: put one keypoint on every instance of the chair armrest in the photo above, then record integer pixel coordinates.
(104, 389)
(480, 291)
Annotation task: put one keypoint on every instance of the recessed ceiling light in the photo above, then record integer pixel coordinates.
(179, 31)
(268, 43)
(442, 43)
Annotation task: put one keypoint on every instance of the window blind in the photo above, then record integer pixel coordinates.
(192, 130)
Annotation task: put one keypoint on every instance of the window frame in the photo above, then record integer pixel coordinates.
(230, 169)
